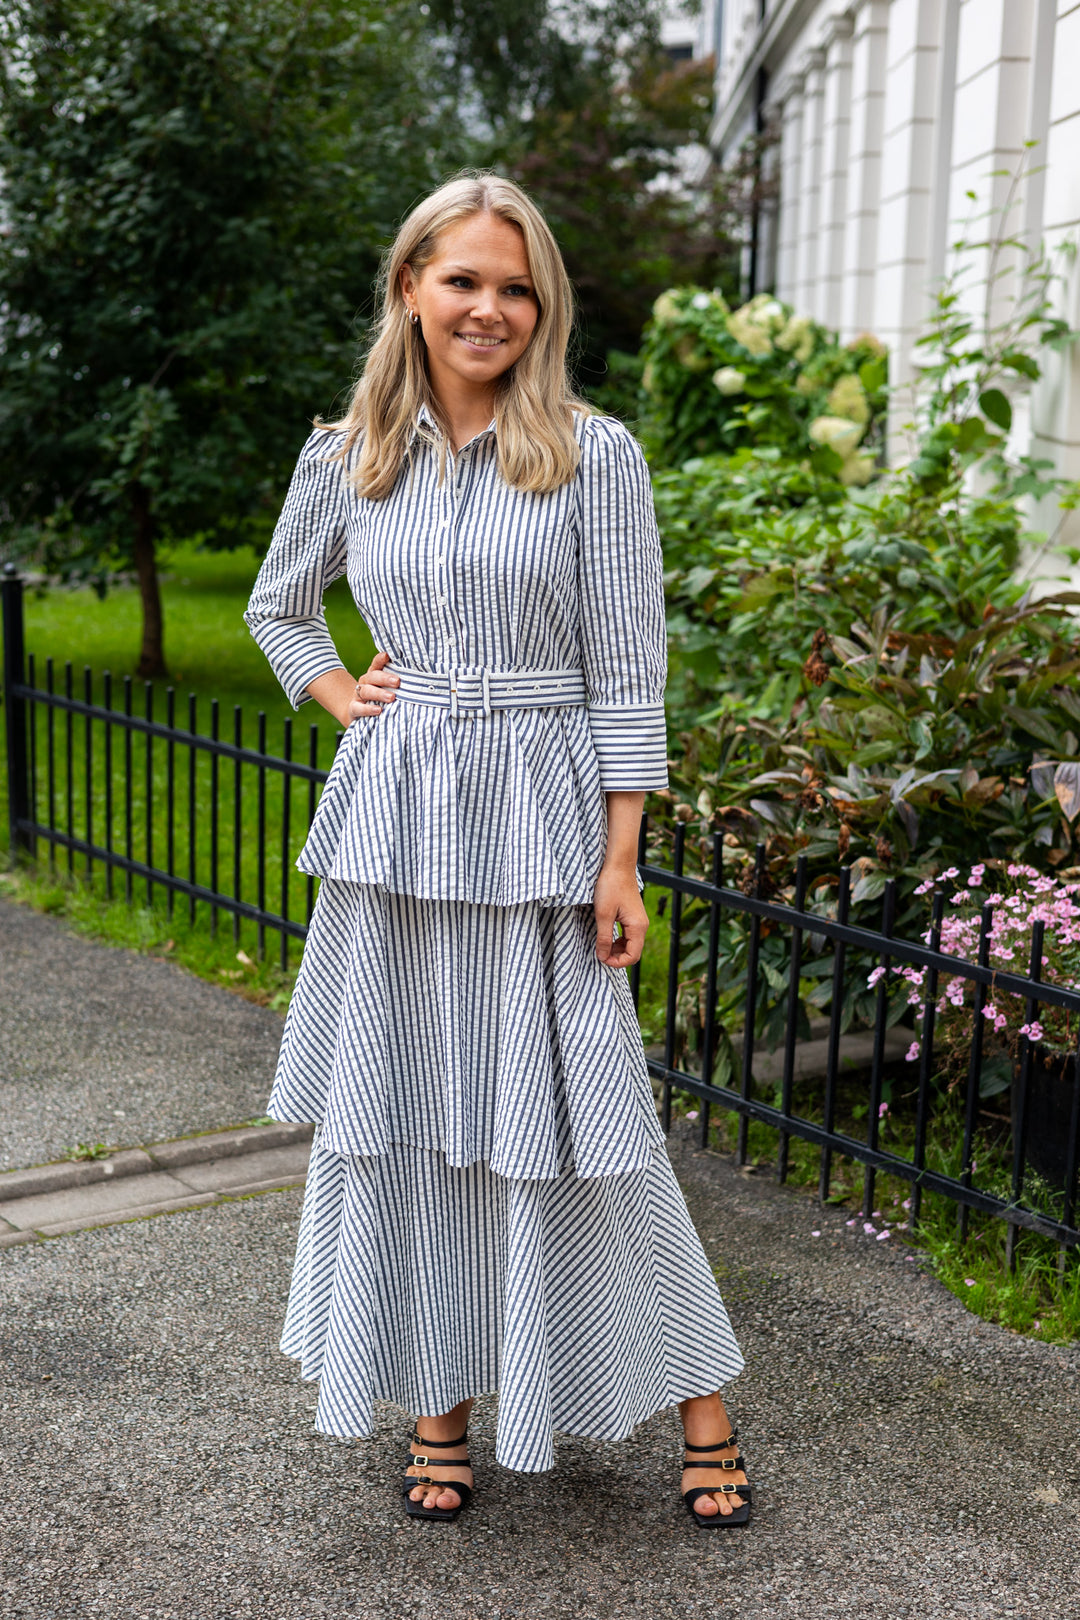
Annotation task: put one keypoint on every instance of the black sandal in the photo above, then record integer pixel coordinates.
(417, 1510)
(719, 1521)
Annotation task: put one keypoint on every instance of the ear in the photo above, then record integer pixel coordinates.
(407, 281)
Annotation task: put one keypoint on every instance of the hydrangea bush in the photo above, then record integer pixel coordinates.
(716, 380)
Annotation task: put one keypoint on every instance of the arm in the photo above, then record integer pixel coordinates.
(307, 553)
(617, 898)
(625, 659)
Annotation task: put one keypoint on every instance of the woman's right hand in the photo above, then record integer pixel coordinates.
(374, 689)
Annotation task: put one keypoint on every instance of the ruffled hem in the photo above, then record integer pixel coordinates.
(588, 1305)
(489, 809)
(483, 1032)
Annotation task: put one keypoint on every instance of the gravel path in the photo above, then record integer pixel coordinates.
(159, 1457)
(105, 1045)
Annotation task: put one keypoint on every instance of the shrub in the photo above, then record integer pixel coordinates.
(717, 380)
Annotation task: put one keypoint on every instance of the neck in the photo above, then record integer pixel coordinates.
(468, 410)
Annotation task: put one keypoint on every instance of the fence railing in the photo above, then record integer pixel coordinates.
(214, 822)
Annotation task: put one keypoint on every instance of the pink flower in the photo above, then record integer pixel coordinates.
(883, 1109)
(869, 1228)
(849, 1223)
(951, 872)
(815, 1234)
(901, 1226)
(912, 1052)
(1033, 1031)
(969, 1282)
(882, 1236)
(906, 1204)
(1037, 1324)
(876, 1214)
(874, 975)
(693, 1114)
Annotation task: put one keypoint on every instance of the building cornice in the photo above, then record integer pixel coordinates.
(774, 34)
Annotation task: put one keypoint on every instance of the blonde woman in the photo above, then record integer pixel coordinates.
(489, 1204)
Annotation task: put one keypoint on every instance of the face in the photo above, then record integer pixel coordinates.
(476, 303)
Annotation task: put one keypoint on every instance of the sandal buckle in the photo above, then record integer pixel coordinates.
(421, 1462)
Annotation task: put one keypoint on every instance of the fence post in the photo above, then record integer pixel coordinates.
(15, 710)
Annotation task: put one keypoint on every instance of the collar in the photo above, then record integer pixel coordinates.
(426, 424)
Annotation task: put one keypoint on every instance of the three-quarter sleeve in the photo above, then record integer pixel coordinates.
(307, 553)
(623, 633)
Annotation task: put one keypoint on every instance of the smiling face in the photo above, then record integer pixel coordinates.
(476, 304)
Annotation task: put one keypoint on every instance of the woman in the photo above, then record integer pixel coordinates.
(489, 1203)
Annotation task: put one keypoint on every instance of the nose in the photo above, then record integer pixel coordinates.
(486, 307)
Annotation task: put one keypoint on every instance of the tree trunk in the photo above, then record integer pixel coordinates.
(152, 658)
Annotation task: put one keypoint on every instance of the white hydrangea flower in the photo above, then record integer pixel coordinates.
(745, 330)
(837, 432)
(729, 380)
(701, 300)
(665, 310)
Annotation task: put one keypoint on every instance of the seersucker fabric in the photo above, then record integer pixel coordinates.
(490, 1204)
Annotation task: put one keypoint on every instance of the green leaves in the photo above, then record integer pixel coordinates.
(994, 405)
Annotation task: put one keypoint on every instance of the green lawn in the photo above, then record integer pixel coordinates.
(207, 645)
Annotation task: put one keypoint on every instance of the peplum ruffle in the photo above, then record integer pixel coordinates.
(489, 809)
(485, 1033)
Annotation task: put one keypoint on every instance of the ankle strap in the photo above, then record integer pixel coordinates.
(439, 1445)
(717, 1445)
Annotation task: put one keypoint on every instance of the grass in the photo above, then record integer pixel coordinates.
(212, 655)
(1038, 1296)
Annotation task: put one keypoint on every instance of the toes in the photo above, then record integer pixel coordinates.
(706, 1506)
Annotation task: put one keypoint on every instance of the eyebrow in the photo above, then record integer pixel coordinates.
(463, 270)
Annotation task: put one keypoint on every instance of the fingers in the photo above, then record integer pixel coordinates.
(374, 689)
(624, 950)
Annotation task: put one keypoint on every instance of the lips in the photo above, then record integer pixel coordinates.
(479, 340)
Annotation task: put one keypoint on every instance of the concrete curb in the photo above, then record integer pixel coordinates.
(40, 1179)
(189, 1173)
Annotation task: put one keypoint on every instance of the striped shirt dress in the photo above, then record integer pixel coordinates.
(490, 1205)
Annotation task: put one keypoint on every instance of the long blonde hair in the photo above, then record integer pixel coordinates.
(534, 405)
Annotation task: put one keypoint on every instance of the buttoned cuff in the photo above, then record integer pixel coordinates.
(631, 746)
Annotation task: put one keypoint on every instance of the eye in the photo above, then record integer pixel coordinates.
(520, 291)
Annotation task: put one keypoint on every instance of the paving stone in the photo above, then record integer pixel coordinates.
(74, 1205)
(219, 1174)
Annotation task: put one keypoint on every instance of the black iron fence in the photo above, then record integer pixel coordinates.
(155, 806)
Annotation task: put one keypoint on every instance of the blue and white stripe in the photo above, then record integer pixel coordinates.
(457, 578)
(588, 1305)
(490, 1204)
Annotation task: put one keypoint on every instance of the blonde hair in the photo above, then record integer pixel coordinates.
(534, 404)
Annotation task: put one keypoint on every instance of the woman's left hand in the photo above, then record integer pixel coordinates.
(616, 899)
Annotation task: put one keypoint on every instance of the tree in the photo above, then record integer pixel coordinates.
(608, 173)
(584, 108)
(195, 196)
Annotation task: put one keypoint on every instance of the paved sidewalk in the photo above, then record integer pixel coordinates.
(105, 1045)
(158, 1454)
(160, 1461)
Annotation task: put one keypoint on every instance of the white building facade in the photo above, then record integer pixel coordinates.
(888, 113)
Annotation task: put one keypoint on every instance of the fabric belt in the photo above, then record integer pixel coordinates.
(481, 691)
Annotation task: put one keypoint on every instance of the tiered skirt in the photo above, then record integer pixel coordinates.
(490, 1205)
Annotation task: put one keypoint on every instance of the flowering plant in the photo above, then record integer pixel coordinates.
(1025, 897)
(717, 380)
